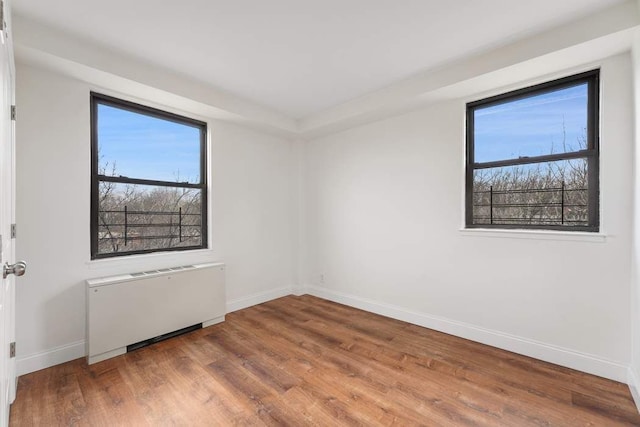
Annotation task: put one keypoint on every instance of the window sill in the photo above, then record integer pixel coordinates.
(173, 257)
(569, 236)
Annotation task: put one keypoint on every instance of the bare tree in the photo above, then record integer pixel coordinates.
(537, 193)
(139, 217)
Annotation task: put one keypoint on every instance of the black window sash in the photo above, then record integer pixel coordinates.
(100, 99)
(591, 154)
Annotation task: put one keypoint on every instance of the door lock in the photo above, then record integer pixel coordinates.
(18, 269)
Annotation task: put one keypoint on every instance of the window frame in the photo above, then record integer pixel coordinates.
(101, 99)
(591, 153)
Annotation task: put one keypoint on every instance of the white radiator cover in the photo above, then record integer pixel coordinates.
(129, 308)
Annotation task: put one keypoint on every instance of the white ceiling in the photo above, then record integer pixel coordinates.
(300, 57)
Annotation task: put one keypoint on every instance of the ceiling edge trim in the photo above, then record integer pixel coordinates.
(45, 47)
(610, 30)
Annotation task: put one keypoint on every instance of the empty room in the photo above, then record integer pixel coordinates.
(286, 212)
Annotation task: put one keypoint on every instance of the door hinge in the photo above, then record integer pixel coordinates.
(13, 231)
(12, 349)
(13, 112)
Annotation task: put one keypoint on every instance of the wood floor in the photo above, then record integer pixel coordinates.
(307, 361)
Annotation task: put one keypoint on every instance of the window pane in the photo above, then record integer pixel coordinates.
(143, 217)
(549, 123)
(553, 193)
(139, 146)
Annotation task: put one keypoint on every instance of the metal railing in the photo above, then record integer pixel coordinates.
(132, 220)
(541, 205)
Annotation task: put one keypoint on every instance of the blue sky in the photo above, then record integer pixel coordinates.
(146, 147)
(531, 126)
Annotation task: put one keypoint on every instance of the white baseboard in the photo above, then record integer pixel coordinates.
(634, 387)
(255, 299)
(48, 358)
(299, 290)
(75, 350)
(550, 353)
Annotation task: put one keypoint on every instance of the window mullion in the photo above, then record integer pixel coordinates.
(582, 154)
(127, 180)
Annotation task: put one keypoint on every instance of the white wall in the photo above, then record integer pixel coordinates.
(370, 217)
(634, 369)
(253, 190)
(384, 205)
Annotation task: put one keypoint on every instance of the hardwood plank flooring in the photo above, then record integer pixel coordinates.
(307, 361)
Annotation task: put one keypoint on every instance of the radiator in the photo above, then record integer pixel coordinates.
(127, 309)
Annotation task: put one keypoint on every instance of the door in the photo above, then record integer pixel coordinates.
(7, 217)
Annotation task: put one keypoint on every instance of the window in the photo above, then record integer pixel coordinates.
(532, 157)
(148, 180)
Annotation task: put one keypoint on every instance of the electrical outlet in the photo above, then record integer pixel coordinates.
(322, 278)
